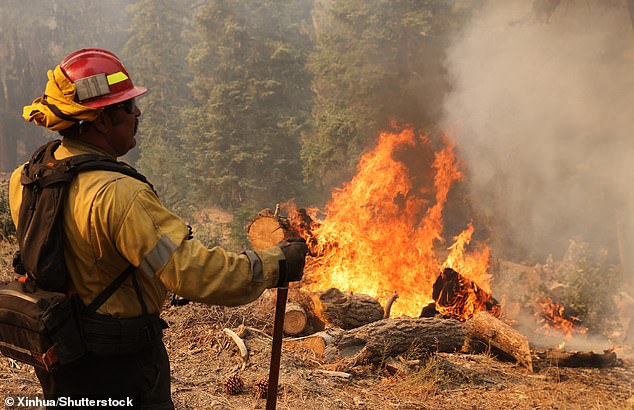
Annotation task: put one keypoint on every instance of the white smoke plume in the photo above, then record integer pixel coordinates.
(543, 113)
(542, 109)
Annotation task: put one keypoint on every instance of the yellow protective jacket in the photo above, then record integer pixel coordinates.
(112, 220)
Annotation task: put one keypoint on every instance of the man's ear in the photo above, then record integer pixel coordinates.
(103, 123)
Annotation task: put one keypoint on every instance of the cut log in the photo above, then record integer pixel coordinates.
(346, 311)
(376, 341)
(582, 359)
(316, 343)
(265, 230)
(486, 331)
(295, 319)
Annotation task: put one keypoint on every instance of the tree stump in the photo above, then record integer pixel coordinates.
(346, 311)
(317, 342)
(376, 341)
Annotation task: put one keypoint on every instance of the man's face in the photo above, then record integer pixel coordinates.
(125, 122)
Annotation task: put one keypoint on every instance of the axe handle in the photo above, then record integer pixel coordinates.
(276, 350)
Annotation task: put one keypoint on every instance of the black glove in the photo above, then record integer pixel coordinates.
(292, 269)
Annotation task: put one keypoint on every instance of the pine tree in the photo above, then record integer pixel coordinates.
(155, 53)
(252, 98)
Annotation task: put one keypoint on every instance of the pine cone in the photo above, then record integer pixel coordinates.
(234, 385)
(260, 388)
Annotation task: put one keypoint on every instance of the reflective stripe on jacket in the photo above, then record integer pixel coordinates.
(111, 220)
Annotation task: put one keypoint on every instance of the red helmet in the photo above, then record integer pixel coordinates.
(99, 77)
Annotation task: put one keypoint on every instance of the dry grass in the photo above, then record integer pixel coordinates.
(8, 247)
(203, 357)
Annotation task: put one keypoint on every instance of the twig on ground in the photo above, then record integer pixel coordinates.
(244, 353)
(333, 373)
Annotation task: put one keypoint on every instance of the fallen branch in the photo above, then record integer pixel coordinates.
(244, 353)
(259, 332)
(388, 304)
(333, 373)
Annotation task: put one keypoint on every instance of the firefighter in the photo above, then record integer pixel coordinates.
(112, 221)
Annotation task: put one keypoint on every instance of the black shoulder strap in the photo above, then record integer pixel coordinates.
(105, 164)
(109, 290)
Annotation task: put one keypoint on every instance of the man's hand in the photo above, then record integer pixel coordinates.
(292, 269)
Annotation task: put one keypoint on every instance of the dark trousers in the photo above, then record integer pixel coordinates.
(144, 377)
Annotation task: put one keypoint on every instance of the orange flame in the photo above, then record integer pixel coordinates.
(555, 321)
(381, 229)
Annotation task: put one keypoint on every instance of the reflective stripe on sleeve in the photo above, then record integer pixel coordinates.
(157, 257)
(256, 266)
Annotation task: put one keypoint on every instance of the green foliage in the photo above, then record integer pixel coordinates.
(155, 53)
(592, 285)
(210, 234)
(374, 62)
(585, 283)
(238, 227)
(252, 102)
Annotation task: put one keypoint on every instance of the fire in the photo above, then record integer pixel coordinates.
(556, 321)
(381, 230)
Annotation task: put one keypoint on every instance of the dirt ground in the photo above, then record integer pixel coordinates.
(203, 358)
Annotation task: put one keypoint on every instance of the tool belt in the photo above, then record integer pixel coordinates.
(51, 329)
(105, 335)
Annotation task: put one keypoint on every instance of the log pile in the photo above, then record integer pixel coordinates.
(356, 329)
(381, 338)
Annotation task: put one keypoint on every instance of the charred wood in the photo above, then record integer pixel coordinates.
(452, 293)
(582, 359)
(429, 310)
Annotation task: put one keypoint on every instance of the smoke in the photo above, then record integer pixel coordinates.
(542, 113)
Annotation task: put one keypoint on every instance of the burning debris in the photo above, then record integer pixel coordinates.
(381, 231)
(458, 297)
(555, 318)
(380, 239)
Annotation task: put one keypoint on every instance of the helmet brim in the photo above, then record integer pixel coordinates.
(104, 101)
